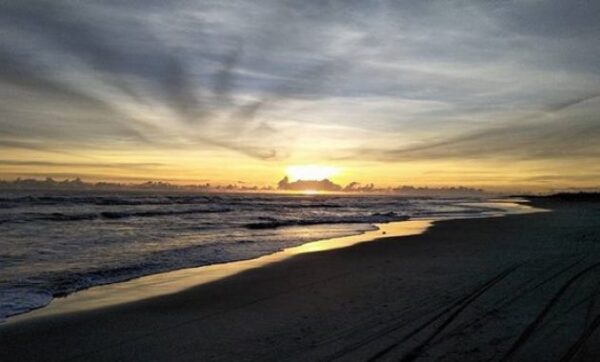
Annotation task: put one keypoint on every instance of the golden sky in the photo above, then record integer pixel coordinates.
(500, 95)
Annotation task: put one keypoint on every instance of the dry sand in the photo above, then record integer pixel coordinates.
(520, 287)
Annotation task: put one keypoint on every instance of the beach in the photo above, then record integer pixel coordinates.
(518, 287)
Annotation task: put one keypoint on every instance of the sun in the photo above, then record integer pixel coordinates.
(310, 172)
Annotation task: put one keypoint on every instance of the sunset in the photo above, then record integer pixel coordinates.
(311, 172)
(428, 94)
(299, 180)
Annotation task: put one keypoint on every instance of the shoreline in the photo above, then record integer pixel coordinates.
(177, 280)
(518, 287)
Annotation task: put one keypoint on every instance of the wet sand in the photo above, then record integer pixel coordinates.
(520, 287)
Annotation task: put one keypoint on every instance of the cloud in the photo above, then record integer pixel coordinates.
(87, 51)
(425, 80)
(79, 164)
(567, 131)
(30, 146)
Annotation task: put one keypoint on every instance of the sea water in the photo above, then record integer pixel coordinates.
(55, 243)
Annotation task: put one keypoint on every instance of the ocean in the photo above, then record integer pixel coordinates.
(55, 243)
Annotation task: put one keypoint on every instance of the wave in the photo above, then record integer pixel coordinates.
(290, 203)
(104, 200)
(57, 216)
(273, 223)
(109, 215)
(35, 269)
(122, 215)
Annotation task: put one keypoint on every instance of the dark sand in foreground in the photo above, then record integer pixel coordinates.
(520, 287)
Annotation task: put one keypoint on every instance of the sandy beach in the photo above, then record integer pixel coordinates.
(299, 181)
(519, 287)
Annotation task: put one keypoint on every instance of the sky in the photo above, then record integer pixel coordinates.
(494, 94)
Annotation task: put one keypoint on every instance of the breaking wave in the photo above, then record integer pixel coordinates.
(54, 244)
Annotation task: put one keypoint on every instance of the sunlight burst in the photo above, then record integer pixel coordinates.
(310, 172)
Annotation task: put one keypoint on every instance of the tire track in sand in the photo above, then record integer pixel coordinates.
(458, 307)
(531, 327)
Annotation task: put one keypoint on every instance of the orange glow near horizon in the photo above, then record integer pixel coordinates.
(223, 168)
(311, 192)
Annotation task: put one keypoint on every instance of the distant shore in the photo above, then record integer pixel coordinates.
(517, 287)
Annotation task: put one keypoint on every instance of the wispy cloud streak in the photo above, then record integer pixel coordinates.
(504, 80)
